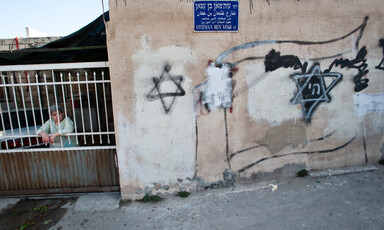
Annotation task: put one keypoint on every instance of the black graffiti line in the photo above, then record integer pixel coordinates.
(365, 150)
(380, 65)
(226, 139)
(243, 150)
(161, 96)
(324, 137)
(360, 83)
(364, 143)
(166, 108)
(331, 57)
(257, 146)
(247, 59)
(301, 59)
(196, 146)
(297, 153)
(273, 61)
(343, 63)
(179, 92)
(248, 45)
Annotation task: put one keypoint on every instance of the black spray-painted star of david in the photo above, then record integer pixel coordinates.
(311, 89)
(156, 93)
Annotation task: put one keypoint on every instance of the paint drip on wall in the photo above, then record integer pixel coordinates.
(217, 91)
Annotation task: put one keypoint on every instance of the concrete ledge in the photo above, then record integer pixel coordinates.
(97, 203)
(7, 203)
(334, 172)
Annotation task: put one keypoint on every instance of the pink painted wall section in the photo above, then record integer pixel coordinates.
(300, 85)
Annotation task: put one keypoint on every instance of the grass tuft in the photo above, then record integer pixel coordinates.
(153, 198)
(184, 194)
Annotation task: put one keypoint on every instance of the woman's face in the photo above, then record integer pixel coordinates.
(57, 116)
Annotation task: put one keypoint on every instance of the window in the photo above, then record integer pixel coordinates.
(81, 90)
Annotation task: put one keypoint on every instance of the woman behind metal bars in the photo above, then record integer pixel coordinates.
(55, 130)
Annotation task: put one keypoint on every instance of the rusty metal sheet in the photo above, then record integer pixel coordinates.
(58, 171)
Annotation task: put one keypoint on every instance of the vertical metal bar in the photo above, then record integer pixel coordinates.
(33, 109)
(81, 105)
(73, 107)
(97, 107)
(39, 97)
(105, 106)
(57, 106)
(16, 106)
(48, 103)
(9, 114)
(64, 102)
(25, 112)
(2, 114)
(89, 107)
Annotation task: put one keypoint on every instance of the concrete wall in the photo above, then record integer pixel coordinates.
(306, 79)
(10, 44)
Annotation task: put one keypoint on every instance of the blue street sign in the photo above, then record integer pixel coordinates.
(216, 16)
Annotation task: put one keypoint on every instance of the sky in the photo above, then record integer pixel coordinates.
(52, 17)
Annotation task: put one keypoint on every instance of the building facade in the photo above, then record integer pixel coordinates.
(296, 85)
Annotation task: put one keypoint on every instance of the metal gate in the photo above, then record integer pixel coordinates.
(27, 165)
(58, 171)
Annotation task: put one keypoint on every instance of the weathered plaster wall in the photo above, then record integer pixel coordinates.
(175, 126)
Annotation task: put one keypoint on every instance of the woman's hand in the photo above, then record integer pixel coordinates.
(45, 137)
(52, 137)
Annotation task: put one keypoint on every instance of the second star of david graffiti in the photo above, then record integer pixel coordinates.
(312, 90)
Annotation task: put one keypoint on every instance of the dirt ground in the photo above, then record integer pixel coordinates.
(35, 214)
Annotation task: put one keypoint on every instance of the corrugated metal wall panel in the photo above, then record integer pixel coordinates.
(58, 171)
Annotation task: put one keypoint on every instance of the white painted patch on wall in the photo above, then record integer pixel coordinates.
(161, 145)
(269, 94)
(128, 163)
(217, 92)
(367, 103)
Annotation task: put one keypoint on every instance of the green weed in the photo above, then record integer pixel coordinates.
(40, 209)
(184, 194)
(47, 222)
(302, 173)
(153, 198)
